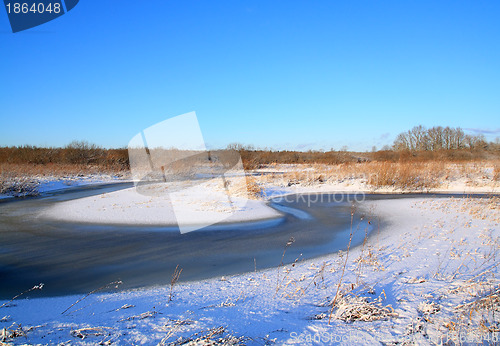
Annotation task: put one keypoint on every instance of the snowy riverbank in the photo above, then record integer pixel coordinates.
(23, 186)
(186, 204)
(430, 274)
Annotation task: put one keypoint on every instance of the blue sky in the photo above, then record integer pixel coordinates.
(278, 74)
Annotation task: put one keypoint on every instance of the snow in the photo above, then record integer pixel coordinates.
(421, 277)
(43, 185)
(300, 214)
(187, 206)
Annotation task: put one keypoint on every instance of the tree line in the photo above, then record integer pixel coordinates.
(417, 144)
(76, 153)
(436, 138)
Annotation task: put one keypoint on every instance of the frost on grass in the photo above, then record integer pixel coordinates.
(211, 337)
(19, 187)
(428, 308)
(351, 308)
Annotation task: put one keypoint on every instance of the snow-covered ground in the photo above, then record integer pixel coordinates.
(428, 276)
(186, 204)
(32, 186)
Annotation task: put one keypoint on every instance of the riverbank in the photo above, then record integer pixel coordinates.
(429, 274)
(23, 185)
(195, 204)
(368, 177)
(381, 177)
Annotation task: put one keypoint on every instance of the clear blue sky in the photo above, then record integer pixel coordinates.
(279, 74)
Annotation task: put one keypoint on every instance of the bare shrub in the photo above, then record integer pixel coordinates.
(82, 152)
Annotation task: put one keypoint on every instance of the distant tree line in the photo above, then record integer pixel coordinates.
(439, 138)
(77, 153)
(417, 144)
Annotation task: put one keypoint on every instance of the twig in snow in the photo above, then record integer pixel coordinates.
(114, 283)
(37, 287)
(175, 278)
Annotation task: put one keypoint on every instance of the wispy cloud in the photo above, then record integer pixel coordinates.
(302, 146)
(485, 131)
(384, 136)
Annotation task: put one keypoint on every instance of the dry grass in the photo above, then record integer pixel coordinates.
(81, 153)
(34, 288)
(22, 186)
(22, 179)
(253, 189)
(242, 186)
(468, 277)
(7, 335)
(213, 336)
(22, 167)
(399, 176)
(369, 259)
(14, 170)
(485, 208)
(82, 333)
(406, 176)
(279, 283)
(113, 284)
(343, 268)
(350, 308)
(255, 159)
(173, 281)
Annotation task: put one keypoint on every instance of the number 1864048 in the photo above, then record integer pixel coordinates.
(24, 8)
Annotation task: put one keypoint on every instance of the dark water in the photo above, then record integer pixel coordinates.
(78, 258)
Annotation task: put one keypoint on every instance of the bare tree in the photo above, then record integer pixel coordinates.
(437, 138)
(435, 135)
(418, 135)
(402, 142)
